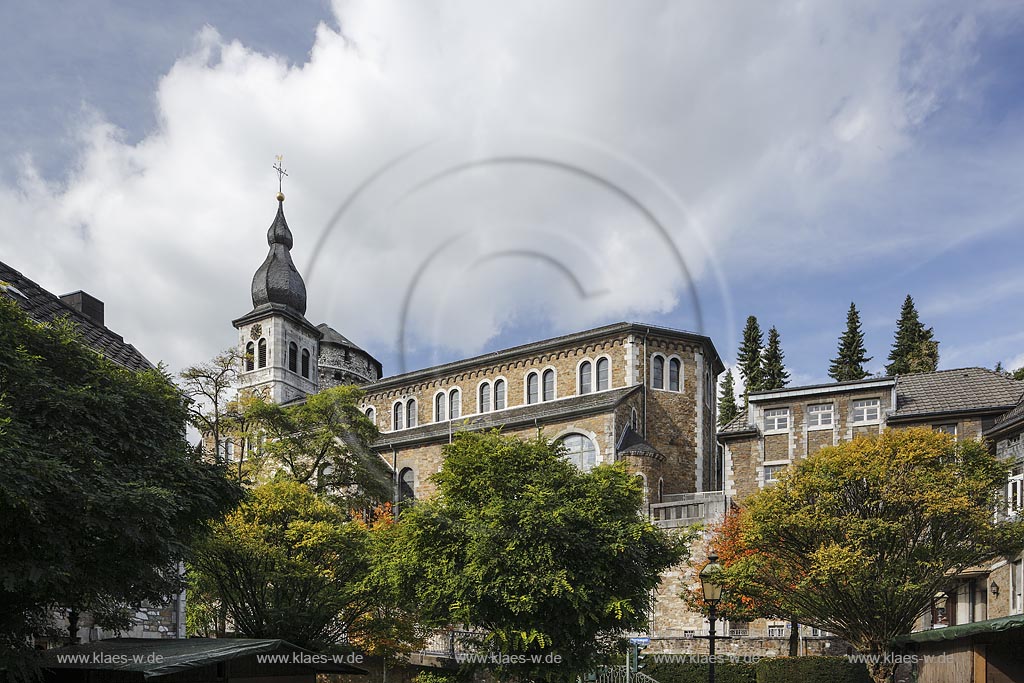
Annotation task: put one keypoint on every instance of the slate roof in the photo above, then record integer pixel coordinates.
(277, 280)
(631, 443)
(521, 415)
(43, 306)
(737, 425)
(1012, 419)
(964, 390)
(332, 336)
(135, 655)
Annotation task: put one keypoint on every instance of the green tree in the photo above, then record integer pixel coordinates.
(543, 557)
(287, 564)
(727, 408)
(749, 358)
(209, 386)
(774, 374)
(848, 365)
(914, 349)
(101, 494)
(859, 537)
(324, 442)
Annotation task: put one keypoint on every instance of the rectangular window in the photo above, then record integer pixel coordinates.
(776, 630)
(1016, 601)
(1015, 490)
(867, 410)
(819, 415)
(772, 472)
(947, 429)
(776, 419)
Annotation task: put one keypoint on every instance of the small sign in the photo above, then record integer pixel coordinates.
(640, 641)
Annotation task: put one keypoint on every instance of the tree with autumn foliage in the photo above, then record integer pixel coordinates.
(859, 537)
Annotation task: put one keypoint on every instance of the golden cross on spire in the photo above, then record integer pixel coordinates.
(281, 173)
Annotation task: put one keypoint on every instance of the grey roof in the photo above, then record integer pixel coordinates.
(1011, 420)
(522, 415)
(737, 425)
(277, 280)
(839, 386)
(174, 655)
(544, 344)
(43, 306)
(964, 390)
(632, 443)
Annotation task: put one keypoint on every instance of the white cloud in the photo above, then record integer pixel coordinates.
(742, 129)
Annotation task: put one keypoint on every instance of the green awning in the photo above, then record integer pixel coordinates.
(937, 635)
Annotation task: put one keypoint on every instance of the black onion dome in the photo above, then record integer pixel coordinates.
(277, 281)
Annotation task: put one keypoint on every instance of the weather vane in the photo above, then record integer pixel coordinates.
(281, 173)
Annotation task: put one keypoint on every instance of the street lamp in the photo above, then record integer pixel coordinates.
(711, 586)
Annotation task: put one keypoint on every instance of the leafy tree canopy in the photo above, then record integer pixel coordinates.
(848, 365)
(101, 494)
(859, 537)
(543, 557)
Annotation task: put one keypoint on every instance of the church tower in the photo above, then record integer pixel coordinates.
(279, 346)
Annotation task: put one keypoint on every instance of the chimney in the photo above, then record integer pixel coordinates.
(86, 304)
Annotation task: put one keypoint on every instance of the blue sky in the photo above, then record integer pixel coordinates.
(797, 158)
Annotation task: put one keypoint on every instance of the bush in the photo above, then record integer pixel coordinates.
(696, 672)
(810, 669)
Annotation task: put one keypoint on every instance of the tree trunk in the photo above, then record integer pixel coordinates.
(881, 666)
(794, 638)
(73, 626)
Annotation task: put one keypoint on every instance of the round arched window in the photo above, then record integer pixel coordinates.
(580, 451)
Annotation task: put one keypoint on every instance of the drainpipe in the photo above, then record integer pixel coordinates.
(394, 481)
(646, 332)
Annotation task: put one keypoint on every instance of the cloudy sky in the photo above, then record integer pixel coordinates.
(466, 176)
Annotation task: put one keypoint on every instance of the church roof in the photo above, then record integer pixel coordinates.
(43, 306)
(277, 281)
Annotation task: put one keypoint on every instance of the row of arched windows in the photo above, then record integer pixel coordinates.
(404, 414)
(540, 386)
(666, 374)
(491, 396)
(256, 357)
(594, 376)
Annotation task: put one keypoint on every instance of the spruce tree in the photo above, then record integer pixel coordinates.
(849, 363)
(749, 358)
(774, 369)
(913, 349)
(727, 408)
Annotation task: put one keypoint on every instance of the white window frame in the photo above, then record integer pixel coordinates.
(776, 630)
(597, 385)
(526, 388)
(1015, 490)
(554, 384)
(771, 420)
(579, 377)
(943, 428)
(443, 395)
(814, 413)
(484, 387)
(452, 391)
(395, 426)
(775, 469)
(664, 372)
(863, 407)
(494, 388)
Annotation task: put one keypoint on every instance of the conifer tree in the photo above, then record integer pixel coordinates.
(727, 408)
(913, 349)
(848, 365)
(749, 357)
(774, 369)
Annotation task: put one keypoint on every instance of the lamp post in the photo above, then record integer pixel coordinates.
(711, 586)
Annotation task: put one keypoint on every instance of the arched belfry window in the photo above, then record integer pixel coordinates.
(674, 368)
(261, 354)
(439, 407)
(485, 397)
(371, 415)
(406, 485)
(499, 394)
(305, 363)
(532, 387)
(658, 372)
(549, 385)
(580, 450)
(396, 418)
(455, 404)
(603, 374)
(250, 356)
(410, 413)
(586, 379)
(293, 357)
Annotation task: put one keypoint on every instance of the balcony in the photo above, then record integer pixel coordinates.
(685, 509)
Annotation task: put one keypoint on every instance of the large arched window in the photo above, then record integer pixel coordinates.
(484, 397)
(261, 354)
(603, 374)
(674, 367)
(439, 407)
(499, 394)
(305, 363)
(406, 485)
(293, 357)
(396, 418)
(549, 385)
(410, 413)
(455, 404)
(580, 451)
(586, 372)
(532, 387)
(250, 355)
(658, 372)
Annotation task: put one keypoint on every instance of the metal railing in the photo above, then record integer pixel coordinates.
(450, 642)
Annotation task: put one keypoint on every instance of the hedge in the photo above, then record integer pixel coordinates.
(811, 669)
(696, 672)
